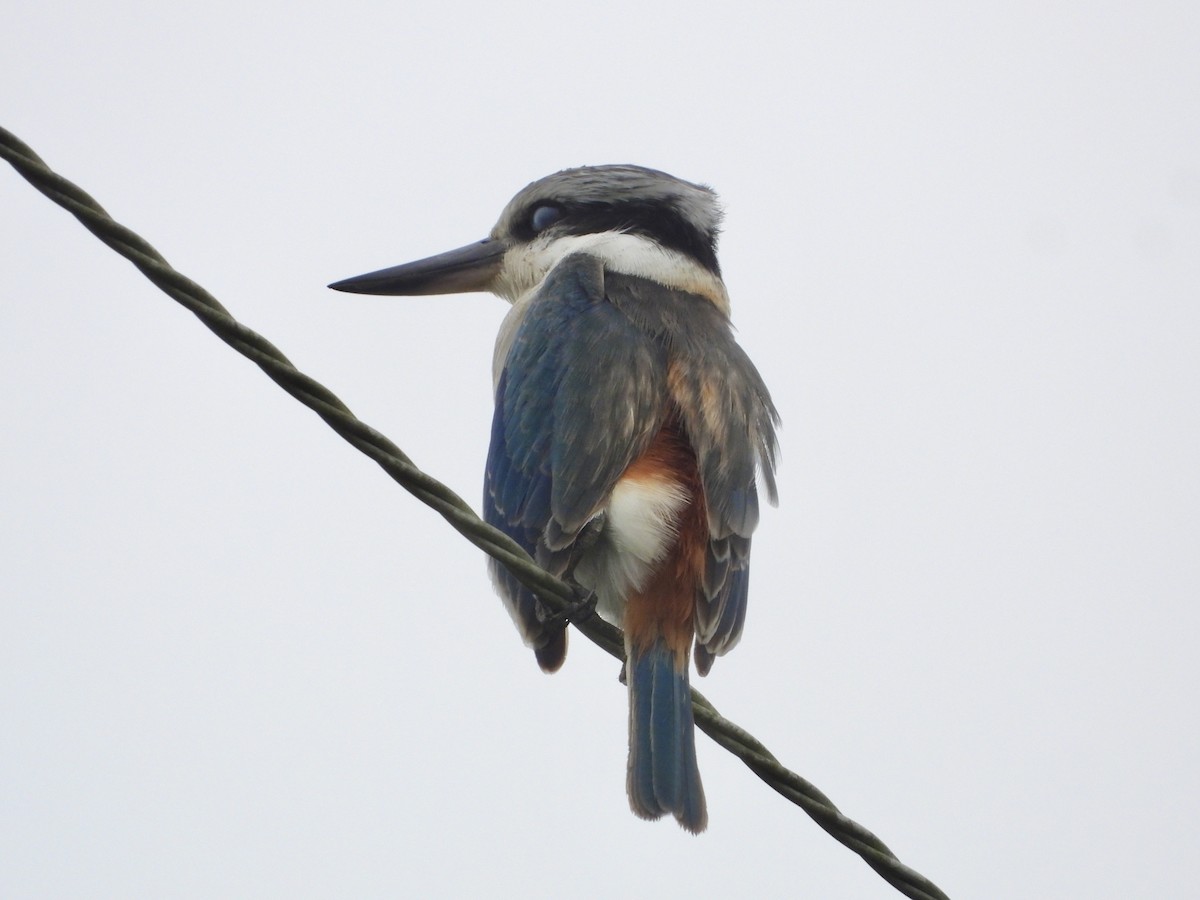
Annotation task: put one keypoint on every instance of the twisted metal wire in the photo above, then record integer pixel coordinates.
(558, 595)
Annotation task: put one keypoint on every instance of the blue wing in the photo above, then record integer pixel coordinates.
(581, 394)
(730, 423)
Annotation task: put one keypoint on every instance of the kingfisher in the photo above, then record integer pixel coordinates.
(629, 433)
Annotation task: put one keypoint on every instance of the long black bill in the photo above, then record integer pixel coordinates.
(469, 268)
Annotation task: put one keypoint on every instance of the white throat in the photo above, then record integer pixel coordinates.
(630, 254)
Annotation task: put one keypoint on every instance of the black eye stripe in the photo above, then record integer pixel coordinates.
(659, 221)
(662, 222)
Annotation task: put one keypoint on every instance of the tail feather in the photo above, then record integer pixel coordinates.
(663, 775)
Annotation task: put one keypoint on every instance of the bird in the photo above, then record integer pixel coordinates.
(629, 435)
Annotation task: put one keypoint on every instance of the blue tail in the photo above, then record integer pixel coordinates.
(663, 775)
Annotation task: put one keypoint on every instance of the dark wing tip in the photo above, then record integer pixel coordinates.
(550, 655)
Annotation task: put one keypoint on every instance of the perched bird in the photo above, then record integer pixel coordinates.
(628, 430)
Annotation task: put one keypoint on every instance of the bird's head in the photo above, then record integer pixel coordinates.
(638, 221)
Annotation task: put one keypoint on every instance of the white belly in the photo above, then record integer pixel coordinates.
(640, 528)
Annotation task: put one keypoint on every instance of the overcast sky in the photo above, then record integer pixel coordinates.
(963, 247)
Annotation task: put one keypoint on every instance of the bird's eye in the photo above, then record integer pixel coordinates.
(544, 216)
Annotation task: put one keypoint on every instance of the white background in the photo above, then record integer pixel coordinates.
(963, 246)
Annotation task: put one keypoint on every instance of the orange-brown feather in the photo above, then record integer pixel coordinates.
(665, 604)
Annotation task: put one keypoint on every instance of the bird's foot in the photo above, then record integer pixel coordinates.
(579, 610)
